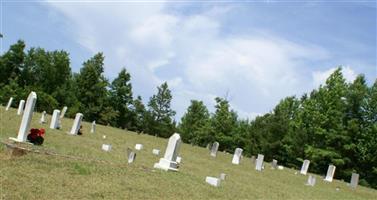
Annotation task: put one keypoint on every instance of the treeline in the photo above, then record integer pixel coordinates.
(336, 123)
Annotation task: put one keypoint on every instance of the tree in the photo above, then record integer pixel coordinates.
(12, 62)
(159, 117)
(194, 122)
(139, 112)
(121, 99)
(91, 88)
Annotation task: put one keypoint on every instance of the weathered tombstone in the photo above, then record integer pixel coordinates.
(26, 118)
(354, 180)
(139, 147)
(131, 155)
(305, 167)
(213, 181)
(55, 119)
(76, 124)
(9, 104)
(330, 173)
(64, 110)
(214, 149)
(222, 176)
(208, 146)
(168, 162)
(311, 181)
(156, 152)
(43, 118)
(253, 159)
(179, 159)
(106, 147)
(93, 128)
(21, 107)
(274, 164)
(237, 156)
(259, 163)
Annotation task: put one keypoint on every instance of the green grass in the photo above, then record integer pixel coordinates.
(84, 171)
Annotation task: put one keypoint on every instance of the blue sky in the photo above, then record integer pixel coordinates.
(253, 53)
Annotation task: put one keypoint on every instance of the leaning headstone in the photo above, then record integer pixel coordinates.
(208, 146)
(9, 104)
(179, 159)
(253, 159)
(354, 180)
(156, 152)
(305, 167)
(274, 164)
(93, 128)
(43, 118)
(55, 119)
(64, 110)
(26, 118)
(259, 163)
(139, 147)
(131, 155)
(106, 147)
(168, 162)
(237, 156)
(76, 124)
(214, 149)
(222, 176)
(213, 181)
(330, 173)
(311, 181)
(21, 107)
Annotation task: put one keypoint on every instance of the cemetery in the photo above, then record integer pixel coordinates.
(108, 168)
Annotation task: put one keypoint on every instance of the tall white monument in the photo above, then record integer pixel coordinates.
(168, 162)
(26, 118)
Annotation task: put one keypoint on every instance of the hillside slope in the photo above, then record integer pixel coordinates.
(83, 171)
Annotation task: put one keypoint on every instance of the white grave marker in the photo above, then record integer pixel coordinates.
(214, 149)
(179, 159)
(21, 107)
(76, 124)
(139, 147)
(259, 164)
(305, 167)
(131, 156)
(9, 104)
(55, 119)
(93, 128)
(274, 164)
(311, 181)
(330, 173)
(26, 118)
(168, 162)
(213, 181)
(64, 110)
(354, 180)
(43, 118)
(222, 176)
(237, 156)
(156, 152)
(106, 147)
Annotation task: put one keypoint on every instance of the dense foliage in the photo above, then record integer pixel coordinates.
(334, 124)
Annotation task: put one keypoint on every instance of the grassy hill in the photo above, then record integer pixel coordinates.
(83, 171)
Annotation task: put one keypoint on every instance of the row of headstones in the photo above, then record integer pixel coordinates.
(169, 161)
(304, 168)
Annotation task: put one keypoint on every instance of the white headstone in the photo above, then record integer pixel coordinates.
(305, 167)
(354, 180)
(9, 104)
(139, 147)
(274, 164)
(237, 156)
(330, 173)
(259, 163)
(43, 118)
(214, 149)
(168, 162)
(222, 176)
(213, 181)
(179, 159)
(93, 128)
(55, 119)
(21, 107)
(131, 156)
(106, 147)
(281, 167)
(26, 118)
(76, 124)
(64, 110)
(311, 181)
(156, 152)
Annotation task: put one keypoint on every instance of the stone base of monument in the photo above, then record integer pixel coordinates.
(166, 165)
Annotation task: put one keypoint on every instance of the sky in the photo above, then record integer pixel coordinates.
(252, 53)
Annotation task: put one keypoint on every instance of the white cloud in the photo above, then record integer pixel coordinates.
(192, 53)
(319, 77)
